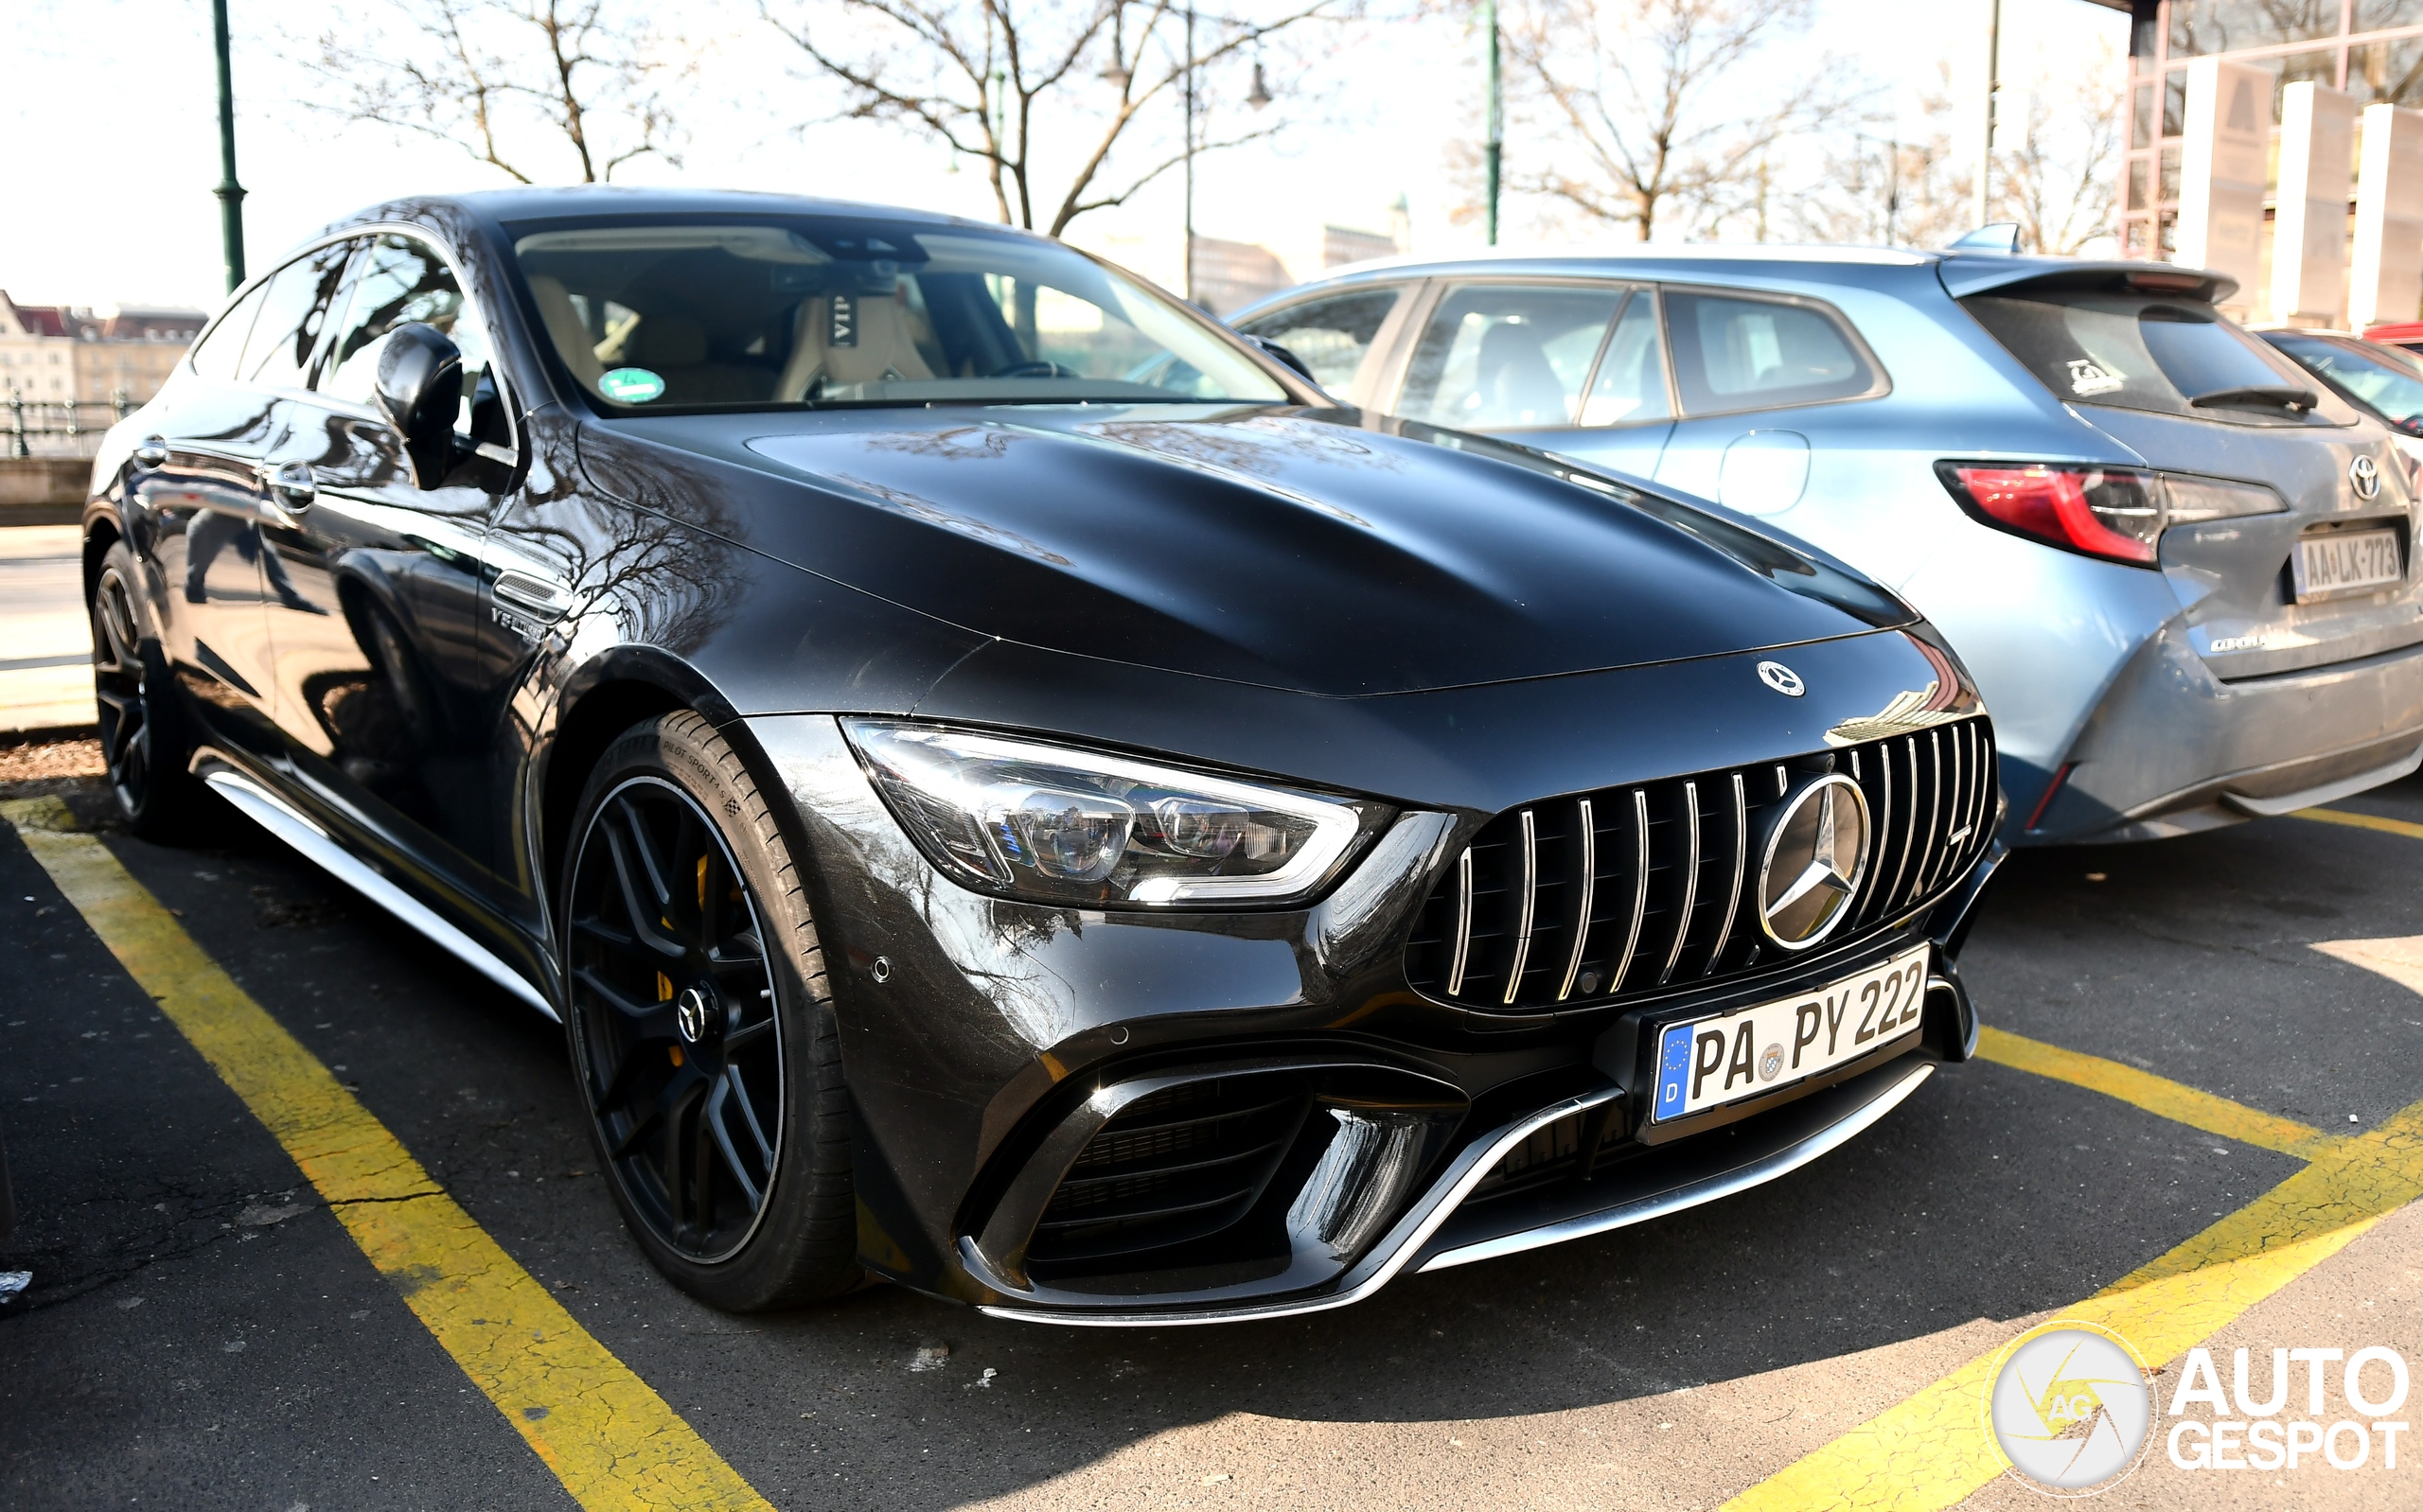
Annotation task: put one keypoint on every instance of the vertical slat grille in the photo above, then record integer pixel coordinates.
(1623, 892)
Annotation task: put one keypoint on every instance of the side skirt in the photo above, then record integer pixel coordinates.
(281, 818)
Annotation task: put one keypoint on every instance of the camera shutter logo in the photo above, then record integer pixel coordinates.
(2069, 1408)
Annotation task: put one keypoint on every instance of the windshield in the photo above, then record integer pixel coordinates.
(2386, 379)
(815, 310)
(2158, 353)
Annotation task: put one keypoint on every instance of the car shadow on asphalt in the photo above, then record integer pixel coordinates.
(1991, 1193)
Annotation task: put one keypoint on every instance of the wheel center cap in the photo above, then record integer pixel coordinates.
(693, 1014)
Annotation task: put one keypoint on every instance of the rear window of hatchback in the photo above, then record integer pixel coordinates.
(2156, 352)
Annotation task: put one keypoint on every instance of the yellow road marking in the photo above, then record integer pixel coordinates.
(2157, 1095)
(1930, 1450)
(2360, 821)
(610, 1438)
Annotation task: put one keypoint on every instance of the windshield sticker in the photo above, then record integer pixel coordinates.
(629, 385)
(2089, 376)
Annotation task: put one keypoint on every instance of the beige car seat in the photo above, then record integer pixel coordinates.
(573, 341)
(845, 338)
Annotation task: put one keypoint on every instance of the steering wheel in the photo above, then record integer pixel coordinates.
(1037, 368)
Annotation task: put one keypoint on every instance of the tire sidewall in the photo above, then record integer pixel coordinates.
(171, 794)
(791, 1255)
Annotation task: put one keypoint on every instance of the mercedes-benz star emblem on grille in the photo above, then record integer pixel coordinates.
(1816, 857)
(2365, 476)
(1782, 678)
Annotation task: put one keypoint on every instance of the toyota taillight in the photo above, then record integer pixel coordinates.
(2115, 512)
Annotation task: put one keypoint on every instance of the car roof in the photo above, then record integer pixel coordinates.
(530, 203)
(1962, 274)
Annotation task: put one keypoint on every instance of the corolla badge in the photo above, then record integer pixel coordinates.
(1782, 678)
(2365, 476)
(1816, 857)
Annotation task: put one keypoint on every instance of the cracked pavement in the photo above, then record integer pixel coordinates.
(200, 1331)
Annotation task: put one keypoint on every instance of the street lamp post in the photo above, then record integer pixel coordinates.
(1189, 149)
(231, 194)
(1496, 149)
(1993, 84)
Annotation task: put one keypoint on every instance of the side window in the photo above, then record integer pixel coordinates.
(1333, 336)
(400, 280)
(1502, 355)
(1631, 385)
(1755, 354)
(286, 336)
(217, 354)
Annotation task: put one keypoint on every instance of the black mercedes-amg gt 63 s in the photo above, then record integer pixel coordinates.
(1007, 786)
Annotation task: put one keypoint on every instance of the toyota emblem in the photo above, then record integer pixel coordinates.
(1817, 856)
(2365, 476)
(1782, 679)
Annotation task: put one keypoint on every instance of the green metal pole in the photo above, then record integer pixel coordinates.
(1496, 117)
(231, 194)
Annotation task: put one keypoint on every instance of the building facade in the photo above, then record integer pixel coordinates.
(54, 354)
(2371, 50)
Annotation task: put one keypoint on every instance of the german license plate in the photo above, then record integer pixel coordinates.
(2347, 561)
(1709, 1062)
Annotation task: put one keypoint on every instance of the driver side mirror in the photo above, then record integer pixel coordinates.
(420, 389)
(1288, 359)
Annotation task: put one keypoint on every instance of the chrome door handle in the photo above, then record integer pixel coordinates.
(292, 485)
(152, 451)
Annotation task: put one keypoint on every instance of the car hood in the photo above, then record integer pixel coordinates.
(1316, 550)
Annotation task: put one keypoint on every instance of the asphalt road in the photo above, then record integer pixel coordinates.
(200, 1332)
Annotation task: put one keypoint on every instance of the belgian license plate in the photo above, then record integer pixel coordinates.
(1709, 1062)
(2347, 561)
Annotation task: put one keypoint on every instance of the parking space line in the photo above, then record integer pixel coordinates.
(606, 1434)
(2360, 821)
(2157, 1095)
(1930, 1450)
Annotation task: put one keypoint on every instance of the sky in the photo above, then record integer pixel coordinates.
(111, 106)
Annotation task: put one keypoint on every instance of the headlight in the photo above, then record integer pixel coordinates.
(1054, 825)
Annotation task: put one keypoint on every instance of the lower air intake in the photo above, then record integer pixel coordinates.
(1173, 1167)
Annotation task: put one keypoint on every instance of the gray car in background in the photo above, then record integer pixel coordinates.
(2180, 569)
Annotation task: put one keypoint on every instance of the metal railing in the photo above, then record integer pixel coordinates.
(61, 428)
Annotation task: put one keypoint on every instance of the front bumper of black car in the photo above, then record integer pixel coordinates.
(1152, 1118)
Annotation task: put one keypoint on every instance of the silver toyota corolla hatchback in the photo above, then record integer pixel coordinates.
(2181, 569)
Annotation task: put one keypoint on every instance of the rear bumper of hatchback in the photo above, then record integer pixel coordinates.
(2172, 749)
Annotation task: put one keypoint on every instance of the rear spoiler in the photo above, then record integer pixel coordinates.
(1970, 274)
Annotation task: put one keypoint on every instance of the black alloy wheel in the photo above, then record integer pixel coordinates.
(142, 737)
(682, 1048)
(700, 1028)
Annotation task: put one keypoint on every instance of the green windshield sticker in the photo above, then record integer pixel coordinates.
(629, 385)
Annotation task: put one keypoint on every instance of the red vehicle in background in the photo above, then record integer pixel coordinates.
(2403, 333)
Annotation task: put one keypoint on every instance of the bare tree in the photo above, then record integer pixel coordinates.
(1894, 182)
(977, 74)
(1644, 101)
(512, 82)
(2054, 175)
